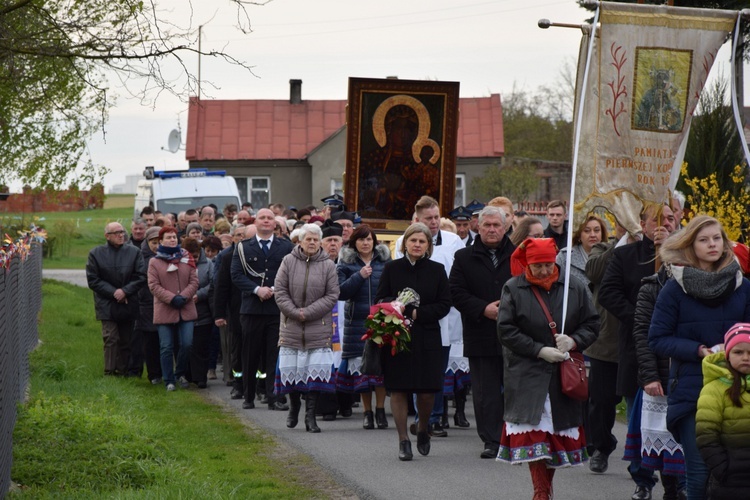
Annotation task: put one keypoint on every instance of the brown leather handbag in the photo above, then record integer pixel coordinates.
(573, 378)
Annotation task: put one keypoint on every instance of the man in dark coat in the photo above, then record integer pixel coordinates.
(618, 294)
(115, 272)
(558, 227)
(254, 268)
(227, 303)
(476, 284)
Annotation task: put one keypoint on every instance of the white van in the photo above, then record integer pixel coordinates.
(179, 190)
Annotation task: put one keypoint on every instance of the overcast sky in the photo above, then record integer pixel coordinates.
(488, 46)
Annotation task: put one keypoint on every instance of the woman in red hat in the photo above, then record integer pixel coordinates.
(543, 426)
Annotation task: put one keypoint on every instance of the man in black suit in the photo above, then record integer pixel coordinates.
(254, 268)
(477, 278)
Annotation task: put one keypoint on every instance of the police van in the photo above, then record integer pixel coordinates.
(179, 190)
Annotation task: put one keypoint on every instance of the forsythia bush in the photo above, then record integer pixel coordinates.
(729, 207)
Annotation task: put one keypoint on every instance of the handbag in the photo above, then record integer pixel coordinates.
(371, 361)
(573, 378)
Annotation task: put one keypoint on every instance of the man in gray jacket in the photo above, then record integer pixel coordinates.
(115, 272)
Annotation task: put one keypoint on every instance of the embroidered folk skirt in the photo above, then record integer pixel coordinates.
(523, 443)
(350, 379)
(304, 370)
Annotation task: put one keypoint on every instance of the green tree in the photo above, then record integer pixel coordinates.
(713, 144)
(538, 124)
(515, 181)
(57, 58)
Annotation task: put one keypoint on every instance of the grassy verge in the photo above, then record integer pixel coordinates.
(86, 436)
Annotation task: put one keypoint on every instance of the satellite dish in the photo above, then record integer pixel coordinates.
(174, 141)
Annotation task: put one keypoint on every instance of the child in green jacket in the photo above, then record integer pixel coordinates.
(723, 418)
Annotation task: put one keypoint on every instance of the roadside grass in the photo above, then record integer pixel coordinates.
(83, 435)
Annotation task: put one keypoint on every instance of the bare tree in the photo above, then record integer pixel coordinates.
(57, 59)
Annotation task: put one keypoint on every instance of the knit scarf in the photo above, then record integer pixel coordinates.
(545, 283)
(711, 288)
(175, 255)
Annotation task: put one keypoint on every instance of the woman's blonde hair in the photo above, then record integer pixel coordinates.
(417, 227)
(678, 248)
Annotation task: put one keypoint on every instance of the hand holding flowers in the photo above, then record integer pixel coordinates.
(386, 325)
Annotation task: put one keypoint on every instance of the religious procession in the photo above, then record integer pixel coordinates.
(390, 303)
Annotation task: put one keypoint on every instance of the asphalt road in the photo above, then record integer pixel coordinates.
(366, 462)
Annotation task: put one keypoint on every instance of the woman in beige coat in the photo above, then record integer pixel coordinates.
(306, 289)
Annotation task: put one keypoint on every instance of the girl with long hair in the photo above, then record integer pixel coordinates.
(706, 297)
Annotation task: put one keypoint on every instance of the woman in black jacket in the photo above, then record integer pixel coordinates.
(649, 443)
(420, 369)
(543, 426)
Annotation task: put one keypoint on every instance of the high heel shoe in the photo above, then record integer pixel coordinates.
(380, 418)
(368, 421)
(423, 443)
(404, 450)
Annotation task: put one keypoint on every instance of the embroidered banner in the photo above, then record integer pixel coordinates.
(648, 66)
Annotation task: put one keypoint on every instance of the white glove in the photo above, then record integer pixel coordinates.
(564, 343)
(551, 355)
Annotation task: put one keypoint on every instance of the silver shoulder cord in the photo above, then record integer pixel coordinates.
(246, 267)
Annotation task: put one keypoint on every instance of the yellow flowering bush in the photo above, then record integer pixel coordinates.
(729, 207)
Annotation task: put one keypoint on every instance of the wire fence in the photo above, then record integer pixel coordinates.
(20, 305)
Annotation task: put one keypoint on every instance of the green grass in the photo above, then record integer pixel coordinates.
(83, 435)
(76, 233)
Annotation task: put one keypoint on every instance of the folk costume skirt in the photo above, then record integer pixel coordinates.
(523, 443)
(302, 370)
(350, 379)
(648, 440)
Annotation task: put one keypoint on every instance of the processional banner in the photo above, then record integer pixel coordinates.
(647, 68)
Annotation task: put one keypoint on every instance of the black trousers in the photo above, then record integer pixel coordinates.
(135, 364)
(234, 326)
(260, 336)
(151, 354)
(199, 353)
(487, 394)
(603, 401)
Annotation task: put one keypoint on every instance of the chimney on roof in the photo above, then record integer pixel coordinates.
(295, 91)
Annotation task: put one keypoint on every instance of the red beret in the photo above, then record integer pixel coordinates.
(536, 251)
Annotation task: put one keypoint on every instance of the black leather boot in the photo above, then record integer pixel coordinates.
(380, 418)
(368, 423)
(310, 424)
(460, 417)
(294, 406)
(444, 423)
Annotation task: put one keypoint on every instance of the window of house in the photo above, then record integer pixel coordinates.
(460, 200)
(260, 191)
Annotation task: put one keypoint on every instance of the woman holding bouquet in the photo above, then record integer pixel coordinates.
(360, 266)
(419, 369)
(543, 426)
(306, 289)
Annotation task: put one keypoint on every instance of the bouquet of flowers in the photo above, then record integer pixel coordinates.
(386, 325)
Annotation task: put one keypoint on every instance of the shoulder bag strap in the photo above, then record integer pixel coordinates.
(551, 322)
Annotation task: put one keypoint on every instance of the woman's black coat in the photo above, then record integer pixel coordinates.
(523, 330)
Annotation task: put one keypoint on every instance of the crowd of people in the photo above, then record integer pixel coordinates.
(280, 298)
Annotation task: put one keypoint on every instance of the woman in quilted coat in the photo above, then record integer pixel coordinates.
(360, 266)
(306, 289)
(707, 296)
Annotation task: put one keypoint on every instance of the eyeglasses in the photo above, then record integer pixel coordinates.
(117, 233)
